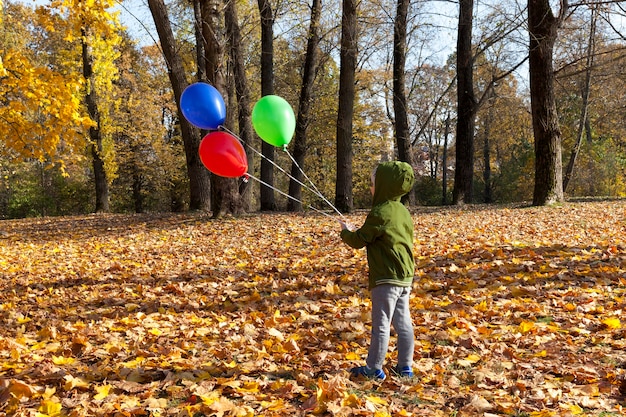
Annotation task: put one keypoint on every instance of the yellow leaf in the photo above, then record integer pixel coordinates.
(61, 360)
(469, 360)
(155, 332)
(482, 306)
(575, 409)
(135, 362)
(210, 398)
(71, 383)
(376, 400)
(102, 392)
(231, 364)
(274, 405)
(48, 393)
(249, 387)
(351, 400)
(50, 408)
(612, 323)
(473, 358)
(543, 413)
(352, 356)
(570, 307)
(526, 326)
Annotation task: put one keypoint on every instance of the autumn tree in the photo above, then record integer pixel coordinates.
(588, 83)
(148, 159)
(503, 140)
(41, 113)
(96, 28)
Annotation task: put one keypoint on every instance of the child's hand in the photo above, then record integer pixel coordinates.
(345, 226)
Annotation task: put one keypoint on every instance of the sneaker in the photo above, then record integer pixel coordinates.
(405, 371)
(365, 371)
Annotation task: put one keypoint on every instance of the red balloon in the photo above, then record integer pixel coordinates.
(222, 154)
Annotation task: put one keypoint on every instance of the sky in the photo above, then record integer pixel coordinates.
(136, 16)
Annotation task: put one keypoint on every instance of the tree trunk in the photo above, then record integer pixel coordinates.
(401, 124)
(243, 94)
(224, 191)
(268, 200)
(542, 26)
(444, 163)
(95, 132)
(583, 122)
(345, 112)
(137, 188)
(488, 194)
(200, 55)
(302, 122)
(199, 178)
(466, 101)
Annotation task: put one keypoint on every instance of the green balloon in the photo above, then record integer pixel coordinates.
(273, 120)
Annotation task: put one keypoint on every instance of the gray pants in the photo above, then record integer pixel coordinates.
(390, 305)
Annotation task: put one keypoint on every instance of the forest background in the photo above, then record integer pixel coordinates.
(89, 120)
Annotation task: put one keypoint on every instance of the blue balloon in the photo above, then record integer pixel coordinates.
(203, 106)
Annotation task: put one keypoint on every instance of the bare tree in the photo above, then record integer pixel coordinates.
(466, 102)
(345, 112)
(543, 27)
(242, 91)
(224, 191)
(311, 63)
(401, 119)
(199, 178)
(584, 111)
(268, 201)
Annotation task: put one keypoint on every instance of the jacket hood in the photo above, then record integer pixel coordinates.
(393, 180)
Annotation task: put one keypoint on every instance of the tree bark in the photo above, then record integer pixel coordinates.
(268, 200)
(95, 132)
(403, 142)
(543, 26)
(348, 56)
(311, 63)
(243, 94)
(444, 163)
(199, 178)
(224, 191)
(464, 172)
(488, 193)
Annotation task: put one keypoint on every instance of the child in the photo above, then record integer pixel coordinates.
(388, 235)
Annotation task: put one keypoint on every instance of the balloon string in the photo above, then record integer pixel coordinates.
(317, 191)
(314, 191)
(287, 195)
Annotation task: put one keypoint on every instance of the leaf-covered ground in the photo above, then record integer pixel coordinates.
(518, 311)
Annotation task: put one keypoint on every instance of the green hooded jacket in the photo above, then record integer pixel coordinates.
(388, 229)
